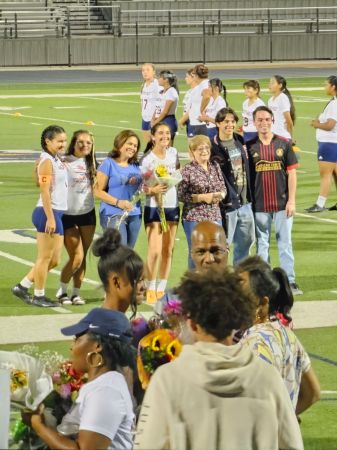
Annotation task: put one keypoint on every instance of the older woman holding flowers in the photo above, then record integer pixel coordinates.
(201, 189)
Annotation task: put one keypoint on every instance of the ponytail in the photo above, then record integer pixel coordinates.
(282, 81)
(283, 301)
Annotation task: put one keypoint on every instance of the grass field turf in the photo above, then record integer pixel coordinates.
(313, 238)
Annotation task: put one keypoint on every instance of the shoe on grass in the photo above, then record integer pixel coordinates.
(315, 209)
(22, 293)
(77, 300)
(64, 299)
(295, 289)
(333, 208)
(151, 297)
(44, 302)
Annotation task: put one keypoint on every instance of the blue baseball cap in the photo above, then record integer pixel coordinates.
(105, 322)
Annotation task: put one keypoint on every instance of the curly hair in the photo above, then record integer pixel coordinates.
(217, 301)
(115, 352)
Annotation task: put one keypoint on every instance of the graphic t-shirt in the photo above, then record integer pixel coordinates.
(80, 195)
(164, 96)
(247, 115)
(238, 168)
(148, 97)
(270, 165)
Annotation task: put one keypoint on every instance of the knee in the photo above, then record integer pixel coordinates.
(54, 262)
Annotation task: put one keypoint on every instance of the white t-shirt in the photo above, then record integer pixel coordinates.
(149, 162)
(59, 184)
(213, 107)
(104, 406)
(330, 112)
(187, 101)
(148, 98)
(247, 115)
(163, 97)
(279, 105)
(195, 102)
(80, 195)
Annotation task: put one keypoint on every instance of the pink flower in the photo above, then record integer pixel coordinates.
(173, 307)
(65, 390)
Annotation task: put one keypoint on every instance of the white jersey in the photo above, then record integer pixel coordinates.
(279, 105)
(59, 184)
(148, 98)
(330, 112)
(149, 162)
(187, 101)
(247, 115)
(80, 195)
(213, 108)
(172, 95)
(195, 103)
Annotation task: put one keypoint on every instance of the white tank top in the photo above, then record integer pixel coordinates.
(59, 184)
(80, 195)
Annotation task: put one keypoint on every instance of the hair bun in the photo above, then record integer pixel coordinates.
(107, 243)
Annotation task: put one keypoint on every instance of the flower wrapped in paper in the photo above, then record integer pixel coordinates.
(160, 174)
(155, 349)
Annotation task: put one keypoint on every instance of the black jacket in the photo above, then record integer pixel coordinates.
(220, 154)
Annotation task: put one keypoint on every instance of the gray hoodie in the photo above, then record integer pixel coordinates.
(217, 397)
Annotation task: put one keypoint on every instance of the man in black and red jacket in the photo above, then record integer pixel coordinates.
(273, 164)
(230, 152)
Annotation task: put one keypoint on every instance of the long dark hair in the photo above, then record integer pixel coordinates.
(282, 81)
(90, 160)
(171, 78)
(49, 133)
(155, 127)
(216, 82)
(116, 257)
(119, 141)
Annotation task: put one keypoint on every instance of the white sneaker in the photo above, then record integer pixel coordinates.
(77, 300)
(64, 299)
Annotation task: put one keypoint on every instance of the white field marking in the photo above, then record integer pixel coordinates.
(30, 264)
(328, 392)
(333, 292)
(35, 123)
(68, 107)
(13, 108)
(125, 94)
(111, 100)
(13, 161)
(67, 121)
(11, 237)
(320, 219)
(310, 101)
(123, 121)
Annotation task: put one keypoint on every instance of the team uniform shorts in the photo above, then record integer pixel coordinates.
(146, 126)
(39, 220)
(151, 214)
(327, 152)
(81, 220)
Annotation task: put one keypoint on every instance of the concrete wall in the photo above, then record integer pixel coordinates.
(175, 49)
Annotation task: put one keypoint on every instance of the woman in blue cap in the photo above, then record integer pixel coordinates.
(102, 415)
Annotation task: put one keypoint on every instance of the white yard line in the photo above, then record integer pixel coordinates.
(319, 219)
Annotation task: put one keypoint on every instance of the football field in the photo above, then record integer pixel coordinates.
(107, 108)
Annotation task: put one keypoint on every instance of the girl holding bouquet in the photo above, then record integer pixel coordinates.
(160, 198)
(118, 179)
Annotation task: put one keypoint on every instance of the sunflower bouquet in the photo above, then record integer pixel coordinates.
(161, 174)
(159, 347)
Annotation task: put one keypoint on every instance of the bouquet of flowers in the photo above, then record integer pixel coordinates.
(158, 347)
(160, 174)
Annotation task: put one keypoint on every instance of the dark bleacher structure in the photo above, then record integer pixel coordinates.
(106, 31)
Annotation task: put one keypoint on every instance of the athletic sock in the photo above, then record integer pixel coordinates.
(161, 285)
(62, 289)
(151, 285)
(39, 292)
(321, 201)
(76, 291)
(26, 283)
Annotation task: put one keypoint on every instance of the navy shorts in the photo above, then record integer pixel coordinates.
(80, 220)
(196, 130)
(39, 220)
(327, 152)
(171, 121)
(146, 126)
(212, 132)
(152, 214)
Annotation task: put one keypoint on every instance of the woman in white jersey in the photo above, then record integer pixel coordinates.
(191, 82)
(160, 245)
(216, 102)
(326, 135)
(79, 221)
(47, 217)
(252, 92)
(282, 105)
(149, 95)
(167, 102)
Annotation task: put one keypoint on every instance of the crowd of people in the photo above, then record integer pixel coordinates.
(241, 361)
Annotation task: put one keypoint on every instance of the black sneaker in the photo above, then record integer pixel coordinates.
(22, 293)
(333, 208)
(315, 208)
(44, 302)
(64, 299)
(295, 289)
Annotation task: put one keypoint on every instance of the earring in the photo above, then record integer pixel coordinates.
(89, 360)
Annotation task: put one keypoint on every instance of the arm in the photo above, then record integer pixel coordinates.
(326, 126)
(206, 95)
(292, 182)
(289, 122)
(310, 391)
(45, 174)
(99, 192)
(183, 120)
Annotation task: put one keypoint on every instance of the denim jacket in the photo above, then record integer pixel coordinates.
(221, 156)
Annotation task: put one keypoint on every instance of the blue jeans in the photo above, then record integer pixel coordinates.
(128, 229)
(188, 226)
(283, 226)
(240, 231)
